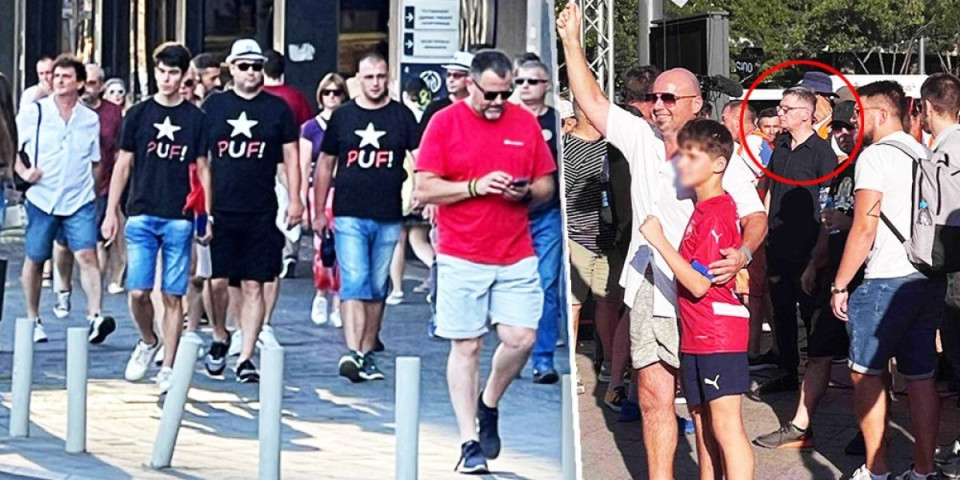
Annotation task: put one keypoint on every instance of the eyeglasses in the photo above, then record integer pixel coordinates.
(457, 75)
(189, 83)
(669, 99)
(333, 92)
(491, 95)
(532, 81)
(786, 109)
(243, 67)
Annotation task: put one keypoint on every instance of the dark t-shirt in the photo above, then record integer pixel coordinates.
(370, 146)
(246, 144)
(111, 123)
(548, 128)
(431, 110)
(795, 210)
(841, 190)
(164, 142)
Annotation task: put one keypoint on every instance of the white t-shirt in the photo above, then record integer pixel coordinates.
(886, 169)
(654, 191)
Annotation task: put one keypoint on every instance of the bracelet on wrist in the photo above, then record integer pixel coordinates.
(834, 290)
(472, 188)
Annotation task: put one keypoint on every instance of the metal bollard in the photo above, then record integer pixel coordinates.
(568, 445)
(183, 366)
(22, 378)
(77, 348)
(271, 405)
(407, 417)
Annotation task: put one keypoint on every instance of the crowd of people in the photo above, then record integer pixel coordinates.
(195, 200)
(689, 235)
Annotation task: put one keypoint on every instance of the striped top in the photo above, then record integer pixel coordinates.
(583, 178)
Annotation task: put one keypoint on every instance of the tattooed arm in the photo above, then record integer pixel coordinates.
(866, 219)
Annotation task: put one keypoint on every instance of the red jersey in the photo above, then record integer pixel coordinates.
(111, 122)
(295, 99)
(460, 145)
(716, 322)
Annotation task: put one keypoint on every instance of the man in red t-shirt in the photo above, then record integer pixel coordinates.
(484, 162)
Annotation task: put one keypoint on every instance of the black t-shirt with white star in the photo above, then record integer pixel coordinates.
(164, 142)
(246, 144)
(370, 146)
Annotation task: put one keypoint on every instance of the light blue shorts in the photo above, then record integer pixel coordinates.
(146, 237)
(364, 252)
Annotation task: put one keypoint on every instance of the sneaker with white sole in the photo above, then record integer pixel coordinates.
(863, 473)
(39, 334)
(395, 298)
(267, 339)
(236, 343)
(100, 327)
(139, 361)
(246, 372)
(114, 289)
(335, 319)
(62, 308)
(318, 311)
(215, 360)
(165, 379)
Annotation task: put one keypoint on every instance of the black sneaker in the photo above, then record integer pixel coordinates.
(787, 436)
(100, 328)
(487, 429)
(247, 372)
(379, 346)
(351, 365)
(216, 359)
(472, 460)
(369, 370)
(545, 375)
(763, 362)
(945, 453)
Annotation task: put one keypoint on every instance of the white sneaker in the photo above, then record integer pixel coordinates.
(62, 308)
(318, 312)
(335, 319)
(236, 343)
(267, 339)
(863, 473)
(158, 358)
(139, 361)
(165, 379)
(39, 334)
(395, 298)
(114, 289)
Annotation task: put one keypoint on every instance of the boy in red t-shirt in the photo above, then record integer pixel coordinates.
(714, 324)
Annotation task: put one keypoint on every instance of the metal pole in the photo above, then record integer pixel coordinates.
(923, 55)
(568, 445)
(22, 378)
(183, 366)
(271, 405)
(407, 417)
(77, 348)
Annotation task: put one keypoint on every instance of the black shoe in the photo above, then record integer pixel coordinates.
(216, 359)
(100, 328)
(369, 370)
(787, 436)
(379, 347)
(763, 362)
(351, 365)
(856, 447)
(547, 376)
(472, 460)
(247, 372)
(487, 427)
(945, 453)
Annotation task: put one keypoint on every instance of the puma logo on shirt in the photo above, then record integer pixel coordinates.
(513, 143)
(716, 236)
(715, 382)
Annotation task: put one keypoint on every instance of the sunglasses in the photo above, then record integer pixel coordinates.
(189, 83)
(243, 67)
(669, 99)
(456, 74)
(532, 81)
(491, 96)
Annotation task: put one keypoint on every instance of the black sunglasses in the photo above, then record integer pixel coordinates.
(243, 67)
(669, 99)
(491, 96)
(189, 83)
(335, 92)
(532, 81)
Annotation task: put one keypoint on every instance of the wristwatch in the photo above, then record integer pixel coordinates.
(746, 251)
(834, 290)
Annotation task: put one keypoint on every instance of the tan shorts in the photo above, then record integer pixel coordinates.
(595, 273)
(652, 339)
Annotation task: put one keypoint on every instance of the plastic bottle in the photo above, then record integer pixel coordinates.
(923, 216)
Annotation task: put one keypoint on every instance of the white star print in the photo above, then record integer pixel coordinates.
(370, 136)
(242, 126)
(166, 129)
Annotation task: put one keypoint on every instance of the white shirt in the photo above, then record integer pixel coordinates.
(66, 155)
(27, 97)
(886, 169)
(654, 191)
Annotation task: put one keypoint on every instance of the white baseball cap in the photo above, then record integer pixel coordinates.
(246, 49)
(460, 63)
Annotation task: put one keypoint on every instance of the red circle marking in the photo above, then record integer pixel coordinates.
(856, 148)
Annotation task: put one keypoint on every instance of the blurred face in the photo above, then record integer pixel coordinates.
(730, 118)
(794, 113)
(373, 79)
(331, 96)
(532, 83)
(188, 85)
(845, 135)
(875, 115)
(675, 99)
(697, 166)
(169, 79)
(489, 93)
(45, 72)
(65, 81)
(210, 78)
(94, 85)
(770, 126)
(457, 82)
(247, 75)
(115, 94)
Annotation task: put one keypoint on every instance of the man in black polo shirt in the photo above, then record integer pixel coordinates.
(794, 212)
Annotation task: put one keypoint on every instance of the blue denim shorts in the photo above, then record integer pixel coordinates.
(79, 231)
(895, 318)
(146, 237)
(364, 251)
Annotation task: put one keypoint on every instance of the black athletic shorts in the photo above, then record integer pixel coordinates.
(707, 377)
(246, 246)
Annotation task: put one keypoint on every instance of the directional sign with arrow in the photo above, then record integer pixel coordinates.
(431, 30)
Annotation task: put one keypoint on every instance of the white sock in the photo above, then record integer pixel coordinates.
(873, 476)
(916, 476)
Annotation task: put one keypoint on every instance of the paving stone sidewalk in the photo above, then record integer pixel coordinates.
(331, 428)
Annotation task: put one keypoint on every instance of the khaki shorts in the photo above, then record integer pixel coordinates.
(652, 339)
(595, 273)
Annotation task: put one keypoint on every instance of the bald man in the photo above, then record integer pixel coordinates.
(649, 284)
